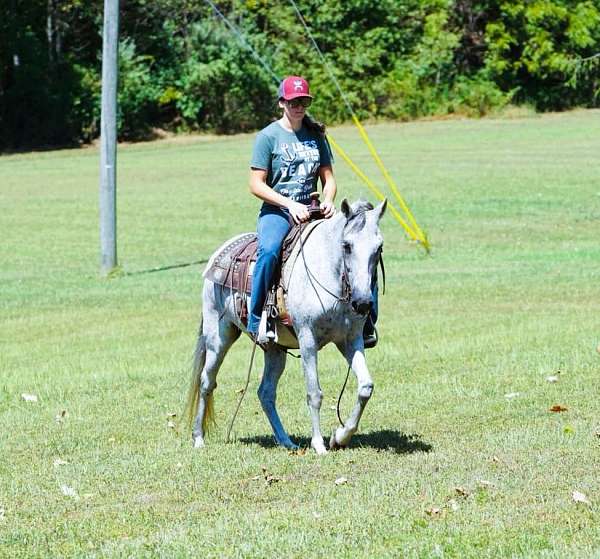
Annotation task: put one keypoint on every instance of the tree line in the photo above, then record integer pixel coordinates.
(181, 68)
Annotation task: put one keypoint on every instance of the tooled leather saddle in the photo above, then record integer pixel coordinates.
(233, 264)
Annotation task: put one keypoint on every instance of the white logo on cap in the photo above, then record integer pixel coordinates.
(298, 85)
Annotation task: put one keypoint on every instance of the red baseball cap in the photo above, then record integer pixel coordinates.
(292, 87)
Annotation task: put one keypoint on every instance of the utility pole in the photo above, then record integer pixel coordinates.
(108, 139)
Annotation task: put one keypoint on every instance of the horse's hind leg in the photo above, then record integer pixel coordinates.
(267, 394)
(215, 339)
(356, 359)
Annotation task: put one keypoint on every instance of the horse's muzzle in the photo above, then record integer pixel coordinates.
(362, 307)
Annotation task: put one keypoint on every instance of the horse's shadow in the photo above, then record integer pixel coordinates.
(385, 440)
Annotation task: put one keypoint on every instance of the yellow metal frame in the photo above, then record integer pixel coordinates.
(413, 229)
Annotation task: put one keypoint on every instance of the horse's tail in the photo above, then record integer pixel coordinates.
(194, 390)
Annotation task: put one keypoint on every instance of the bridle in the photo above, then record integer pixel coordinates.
(346, 288)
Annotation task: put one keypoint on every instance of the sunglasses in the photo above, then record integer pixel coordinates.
(300, 101)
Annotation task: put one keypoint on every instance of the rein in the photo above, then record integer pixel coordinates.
(346, 288)
(339, 400)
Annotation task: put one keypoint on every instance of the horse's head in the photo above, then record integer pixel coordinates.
(361, 245)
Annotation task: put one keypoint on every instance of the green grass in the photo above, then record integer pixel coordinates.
(510, 295)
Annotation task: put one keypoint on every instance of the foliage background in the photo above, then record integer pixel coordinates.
(182, 70)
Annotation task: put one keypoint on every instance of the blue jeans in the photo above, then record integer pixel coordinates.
(273, 226)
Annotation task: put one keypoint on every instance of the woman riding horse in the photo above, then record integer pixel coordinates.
(289, 157)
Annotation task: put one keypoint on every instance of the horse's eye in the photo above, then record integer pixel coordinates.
(347, 248)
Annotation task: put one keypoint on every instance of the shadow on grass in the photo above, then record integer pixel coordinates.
(384, 440)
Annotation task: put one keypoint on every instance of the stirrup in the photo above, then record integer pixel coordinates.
(370, 340)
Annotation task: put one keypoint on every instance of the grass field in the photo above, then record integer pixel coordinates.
(458, 454)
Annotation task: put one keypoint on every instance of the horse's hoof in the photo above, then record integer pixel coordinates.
(319, 448)
(198, 442)
(333, 442)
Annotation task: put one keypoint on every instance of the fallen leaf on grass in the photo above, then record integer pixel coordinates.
(59, 462)
(461, 491)
(552, 378)
(579, 497)
(29, 397)
(69, 491)
(433, 511)
(568, 430)
(269, 478)
(557, 408)
(341, 481)
(298, 452)
(511, 395)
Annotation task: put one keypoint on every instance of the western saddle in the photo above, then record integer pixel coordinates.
(233, 264)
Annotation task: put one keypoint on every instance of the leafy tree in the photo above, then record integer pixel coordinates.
(182, 69)
(533, 47)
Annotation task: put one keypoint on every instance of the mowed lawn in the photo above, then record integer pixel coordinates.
(458, 453)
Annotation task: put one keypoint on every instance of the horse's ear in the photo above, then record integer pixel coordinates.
(380, 209)
(346, 209)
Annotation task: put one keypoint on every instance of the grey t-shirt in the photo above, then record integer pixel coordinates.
(291, 159)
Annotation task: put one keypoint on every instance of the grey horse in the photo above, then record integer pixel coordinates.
(341, 255)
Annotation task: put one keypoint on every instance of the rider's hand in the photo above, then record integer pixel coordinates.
(327, 209)
(299, 212)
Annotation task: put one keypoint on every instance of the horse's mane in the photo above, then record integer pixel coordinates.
(358, 219)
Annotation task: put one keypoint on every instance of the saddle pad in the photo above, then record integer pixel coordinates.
(230, 266)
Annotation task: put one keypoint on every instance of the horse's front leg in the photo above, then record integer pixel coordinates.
(354, 354)
(314, 396)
